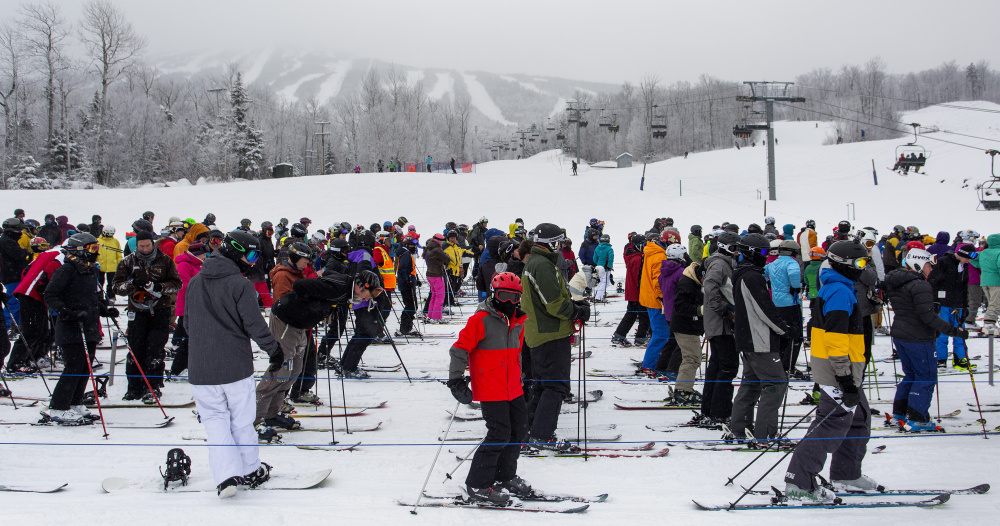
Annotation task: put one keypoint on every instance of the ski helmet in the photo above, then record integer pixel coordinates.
(239, 244)
(866, 236)
(484, 220)
(12, 225)
(728, 243)
(387, 226)
(298, 230)
(39, 244)
(305, 221)
(605, 238)
(369, 281)
(148, 216)
(668, 221)
(916, 258)
(402, 220)
(283, 221)
(913, 231)
(548, 235)
(754, 228)
(366, 239)
(266, 225)
(787, 247)
(592, 233)
(142, 224)
(810, 223)
(817, 253)
(771, 236)
(109, 231)
(450, 225)
(339, 247)
(731, 227)
(463, 228)
(82, 248)
(637, 240)
(769, 220)
(318, 236)
(898, 229)
(594, 222)
(676, 252)
(298, 250)
(245, 222)
(374, 227)
(696, 230)
(848, 258)
(507, 288)
(755, 248)
(451, 234)
(844, 227)
(669, 237)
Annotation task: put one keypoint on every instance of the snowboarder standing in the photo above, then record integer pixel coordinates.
(453, 166)
(221, 317)
(838, 365)
(490, 346)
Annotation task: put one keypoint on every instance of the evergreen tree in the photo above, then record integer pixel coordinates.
(244, 139)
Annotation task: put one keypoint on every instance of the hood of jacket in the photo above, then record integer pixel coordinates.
(670, 269)
(194, 231)
(832, 276)
(692, 272)
(788, 229)
(652, 249)
(218, 266)
(943, 238)
(189, 258)
(492, 246)
(63, 221)
(539, 251)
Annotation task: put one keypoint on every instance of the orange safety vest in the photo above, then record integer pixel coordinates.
(387, 270)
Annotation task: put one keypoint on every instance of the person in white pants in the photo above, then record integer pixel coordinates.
(221, 317)
(604, 258)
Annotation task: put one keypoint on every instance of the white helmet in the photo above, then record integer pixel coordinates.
(676, 252)
(108, 231)
(867, 237)
(916, 258)
(969, 236)
(769, 220)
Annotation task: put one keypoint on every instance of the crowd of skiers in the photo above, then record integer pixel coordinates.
(741, 291)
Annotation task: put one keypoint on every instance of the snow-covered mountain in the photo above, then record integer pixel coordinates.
(300, 76)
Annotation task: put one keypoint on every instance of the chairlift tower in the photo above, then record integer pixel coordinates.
(576, 111)
(769, 92)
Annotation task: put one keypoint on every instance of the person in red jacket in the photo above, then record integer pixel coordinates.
(34, 315)
(490, 346)
(634, 310)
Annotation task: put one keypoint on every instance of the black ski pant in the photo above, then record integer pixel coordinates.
(526, 375)
(110, 277)
(336, 328)
(147, 335)
(307, 378)
(366, 328)
(764, 381)
(409, 298)
(723, 364)
(180, 341)
(496, 458)
(834, 430)
(634, 311)
(670, 356)
(34, 331)
(73, 380)
(790, 347)
(550, 365)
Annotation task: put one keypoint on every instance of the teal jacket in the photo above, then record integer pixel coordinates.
(604, 256)
(988, 261)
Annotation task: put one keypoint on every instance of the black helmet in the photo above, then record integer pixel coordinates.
(76, 249)
(338, 245)
(375, 227)
(298, 250)
(637, 240)
(728, 243)
(754, 228)
(148, 216)
(244, 222)
(463, 228)
(549, 235)
(402, 220)
(593, 232)
(696, 230)
(848, 258)
(298, 230)
(844, 227)
(78, 241)
(283, 221)
(369, 280)
(366, 239)
(450, 225)
(238, 244)
(210, 219)
(13, 224)
(142, 224)
(451, 233)
(668, 221)
(731, 227)
(266, 225)
(605, 238)
(755, 248)
(811, 223)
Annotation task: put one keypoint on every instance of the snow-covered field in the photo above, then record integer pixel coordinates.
(814, 181)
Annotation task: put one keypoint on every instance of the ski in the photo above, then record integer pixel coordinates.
(352, 447)
(46, 420)
(140, 405)
(981, 489)
(7, 401)
(327, 415)
(603, 454)
(194, 435)
(277, 481)
(33, 488)
(654, 406)
(513, 506)
(935, 501)
(595, 435)
(536, 496)
(739, 447)
(371, 404)
(592, 396)
(381, 368)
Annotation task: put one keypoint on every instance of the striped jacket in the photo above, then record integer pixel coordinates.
(838, 341)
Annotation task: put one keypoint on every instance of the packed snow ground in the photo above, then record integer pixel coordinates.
(814, 181)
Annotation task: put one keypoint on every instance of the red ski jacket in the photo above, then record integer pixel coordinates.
(494, 347)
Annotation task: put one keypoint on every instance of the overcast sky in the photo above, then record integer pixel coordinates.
(599, 40)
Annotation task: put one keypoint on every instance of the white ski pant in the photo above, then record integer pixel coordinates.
(602, 283)
(227, 412)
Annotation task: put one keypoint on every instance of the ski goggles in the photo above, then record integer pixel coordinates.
(507, 296)
(859, 263)
(93, 248)
(252, 256)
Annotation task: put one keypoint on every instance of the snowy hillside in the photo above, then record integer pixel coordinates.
(815, 181)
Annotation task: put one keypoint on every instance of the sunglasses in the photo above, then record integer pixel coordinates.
(508, 296)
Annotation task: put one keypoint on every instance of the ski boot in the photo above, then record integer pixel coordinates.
(963, 364)
(550, 444)
(517, 487)
(698, 420)
(68, 417)
(262, 475)
(87, 415)
(895, 420)
(942, 364)
(665, 376)
(286, 408)
(4, 392)
(919, 426)
(686, 398)
(640, 342)
(307, 398)
(133, 395)
(178, 468)
(492, 495)
(358, 374)
(619, 341)
(267, 434)
(149, 399)
(282, 421)
(818, 494)
(862, 484)
(229, 486)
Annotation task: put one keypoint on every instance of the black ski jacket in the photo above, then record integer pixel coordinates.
(915, 318)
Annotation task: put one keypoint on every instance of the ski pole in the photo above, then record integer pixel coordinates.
(329, 398)
(761, 454)
(436, 455)
(583, 397)
(135, 359)
(393, 343)
(579, 380)
(462, 460)
(340, 355)
(780, 460)
(972, 377)
(9, 392)
(97, 399)
(31, 357)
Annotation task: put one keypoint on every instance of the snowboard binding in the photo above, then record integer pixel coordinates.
(102, 390)
(178, 468)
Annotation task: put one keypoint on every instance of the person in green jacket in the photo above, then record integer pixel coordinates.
(988, 261)
(695, 245)
(811, 273)
(551, 313)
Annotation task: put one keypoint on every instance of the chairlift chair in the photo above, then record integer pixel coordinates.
(919, 153)
(989, 191)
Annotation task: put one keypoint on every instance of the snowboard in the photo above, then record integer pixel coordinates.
(33, 488)
(197, 484)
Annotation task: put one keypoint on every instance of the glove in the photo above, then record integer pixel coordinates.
(460, 390)
(959, 332)
(962, 314)
(4, 297)
(139, 284)
(153, 287)
(110, 312)
(851, 396)
(581, 311)
(276, 360)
